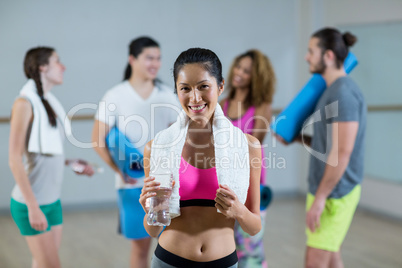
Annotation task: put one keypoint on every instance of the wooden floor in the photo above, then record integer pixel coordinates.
(90, 240)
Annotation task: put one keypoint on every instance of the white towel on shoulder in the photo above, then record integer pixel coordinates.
(231, 155)
(44, 138)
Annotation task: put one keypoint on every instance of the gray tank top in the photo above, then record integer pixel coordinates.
(45, 173)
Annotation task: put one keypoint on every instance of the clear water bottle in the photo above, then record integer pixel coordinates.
(78, 165)
(158, 212)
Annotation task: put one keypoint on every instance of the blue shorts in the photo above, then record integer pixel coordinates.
(131, 214)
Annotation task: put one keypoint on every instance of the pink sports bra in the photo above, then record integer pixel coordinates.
(246, 122)
(197, 186)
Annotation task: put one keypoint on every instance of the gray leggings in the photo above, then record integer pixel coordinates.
(157, 263)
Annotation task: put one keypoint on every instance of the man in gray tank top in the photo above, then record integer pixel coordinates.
(336, 148)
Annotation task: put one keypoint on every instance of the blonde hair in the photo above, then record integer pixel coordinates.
(263, 80)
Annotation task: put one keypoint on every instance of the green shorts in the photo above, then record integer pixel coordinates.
(19, 212)
(335, 221)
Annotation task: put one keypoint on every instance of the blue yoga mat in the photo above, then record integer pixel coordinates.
(266, 196)
(126, 157)
(290, 121)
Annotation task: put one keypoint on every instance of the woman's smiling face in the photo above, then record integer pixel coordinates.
(242, 73)
(198, 91)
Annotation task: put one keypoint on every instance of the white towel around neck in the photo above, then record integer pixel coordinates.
(44, 138)
(231, 155)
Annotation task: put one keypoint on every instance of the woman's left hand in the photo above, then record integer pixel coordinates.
(227, 201)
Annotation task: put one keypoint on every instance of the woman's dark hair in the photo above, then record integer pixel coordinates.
(332, 39)
(207, 58)
(35, 58)
(136, 47)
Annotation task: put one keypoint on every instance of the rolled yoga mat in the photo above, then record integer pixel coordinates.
(290, 121)
(126, 157)
(266, 196)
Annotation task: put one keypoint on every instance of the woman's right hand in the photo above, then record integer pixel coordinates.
(148, 190)
(37, 219)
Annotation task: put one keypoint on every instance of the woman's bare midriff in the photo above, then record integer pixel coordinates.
(199, 234)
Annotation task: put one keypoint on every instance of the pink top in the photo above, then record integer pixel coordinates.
(197, 186)
(246, 122)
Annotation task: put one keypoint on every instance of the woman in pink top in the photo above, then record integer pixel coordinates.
(200, 236)
(251, 84)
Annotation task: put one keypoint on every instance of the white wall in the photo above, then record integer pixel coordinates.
(346, 12)
(377, 195)
(92, 38)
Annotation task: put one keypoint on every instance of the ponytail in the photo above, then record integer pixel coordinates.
(35, 58)
(50, 112)
(127, 73)
(349, 39)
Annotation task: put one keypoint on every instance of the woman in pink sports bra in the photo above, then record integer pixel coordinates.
(251, 85)
(200, 236)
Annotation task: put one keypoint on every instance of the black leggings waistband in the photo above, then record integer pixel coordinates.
(181, 262)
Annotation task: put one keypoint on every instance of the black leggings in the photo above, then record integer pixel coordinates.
(166, 259)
